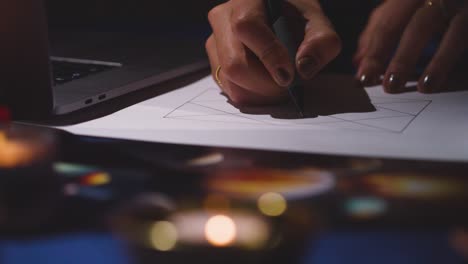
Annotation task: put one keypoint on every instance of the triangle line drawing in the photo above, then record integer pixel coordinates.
(424, 108)
(174, 110)
(393, 110)
(408, 102)
(399, 100)
(217, 121)
(212, 108)
(384, 129)
(191, 109)
(409, 123)
(188, 116)
(198, 95)
(203, 101)
(227, 113)
(402, 119)
(384, 117)
(427, 102)
(317, 123)
(392, 130)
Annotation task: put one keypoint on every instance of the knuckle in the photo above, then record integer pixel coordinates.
(242, 22)
(273, 54)
(209, 43)
(233, 68)
(272, 50)
(333, 41)
(215, 12)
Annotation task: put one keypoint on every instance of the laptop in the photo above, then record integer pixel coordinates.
(57, 58)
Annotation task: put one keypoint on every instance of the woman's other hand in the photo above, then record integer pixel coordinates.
(400, 30)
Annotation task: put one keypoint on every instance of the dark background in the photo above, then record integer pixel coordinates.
(190, 17)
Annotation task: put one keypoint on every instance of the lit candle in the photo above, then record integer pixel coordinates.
(29, 188)
(19, 148)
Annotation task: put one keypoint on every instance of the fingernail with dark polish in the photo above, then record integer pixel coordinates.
(368, 80)
(307, 66)
(394, 83)
(427, 84)
(283, 77)
(364, 79)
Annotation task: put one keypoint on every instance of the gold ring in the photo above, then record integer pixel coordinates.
(218, 80)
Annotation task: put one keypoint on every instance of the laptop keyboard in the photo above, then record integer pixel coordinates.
(64, 71)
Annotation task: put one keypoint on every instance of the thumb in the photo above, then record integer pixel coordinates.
(321, 43)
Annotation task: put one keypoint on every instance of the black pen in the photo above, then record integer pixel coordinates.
(280, 26)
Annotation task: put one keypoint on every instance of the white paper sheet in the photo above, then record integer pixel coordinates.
(408, 125)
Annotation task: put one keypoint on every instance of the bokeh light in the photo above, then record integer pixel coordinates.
(229, 228)
(73, 169)
(163, 236)
(96, 179)
(272, 204)
(216, 202)
(220, 231)
(14, 153)
(253, 232)
(365, 207)
(71, 189)
(413, 185)
(252, 183)
(207, 160)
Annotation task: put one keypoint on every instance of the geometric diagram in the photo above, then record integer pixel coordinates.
(392, 115)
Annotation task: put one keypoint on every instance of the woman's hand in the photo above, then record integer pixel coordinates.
(408, 26)
(252, 65)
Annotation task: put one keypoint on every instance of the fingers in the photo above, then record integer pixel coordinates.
(321, 43)
(363, 43)
(454, 44)
(237, 94)
(210, 47)
(382, 35)
(419, 21)
(250, 24)
(253, 60)
(241, 72)
(424, 24)
(218, 77)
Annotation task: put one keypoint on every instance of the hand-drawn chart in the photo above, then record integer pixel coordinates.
(392, 115)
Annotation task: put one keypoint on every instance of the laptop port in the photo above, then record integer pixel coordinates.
(102, 97)
(89, 101)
